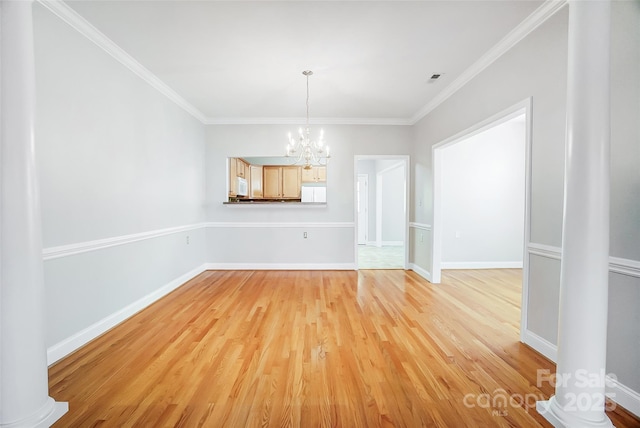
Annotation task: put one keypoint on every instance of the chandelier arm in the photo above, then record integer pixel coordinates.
(308, 150)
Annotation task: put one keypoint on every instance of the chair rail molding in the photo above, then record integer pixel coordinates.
(51, 253)
(56, 252)
(616, 264)
(276, 225)
(422, 226)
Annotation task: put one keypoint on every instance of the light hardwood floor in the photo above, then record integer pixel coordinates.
(310, 349)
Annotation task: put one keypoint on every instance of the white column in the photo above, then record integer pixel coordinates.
(582, 332)
(24, 400)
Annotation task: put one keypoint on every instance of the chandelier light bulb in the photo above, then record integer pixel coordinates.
(310, 151)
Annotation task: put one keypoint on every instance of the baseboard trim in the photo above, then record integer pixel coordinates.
(618, 392)
(420, 271)
(540, 344)
(623, 395)
(281, 266)
(392, 243)
(481, 265)
(74, 342)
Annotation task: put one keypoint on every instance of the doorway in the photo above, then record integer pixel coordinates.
(381, 212)
(443, 232)
(362, 207)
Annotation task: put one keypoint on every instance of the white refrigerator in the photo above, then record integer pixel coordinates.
(314, 194)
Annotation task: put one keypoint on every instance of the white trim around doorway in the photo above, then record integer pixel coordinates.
(406, 161)
(525, 107)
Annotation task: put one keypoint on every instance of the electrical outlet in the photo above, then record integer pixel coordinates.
(304, 235)
(187, 239)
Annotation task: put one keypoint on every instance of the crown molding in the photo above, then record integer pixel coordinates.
(72, 18)
(77, 22)
(84, 27)
(533, 21)
(302, 120)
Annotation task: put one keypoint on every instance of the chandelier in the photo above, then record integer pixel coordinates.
(308, 152)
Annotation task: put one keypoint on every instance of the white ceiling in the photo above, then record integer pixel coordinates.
(238, 60)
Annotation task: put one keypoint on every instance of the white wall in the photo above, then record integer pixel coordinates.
(275, 234)
(537, 67)
(623, 350)
(482, 203)
(117, 160)
(392, 180)
(391, 174)
(368, 166)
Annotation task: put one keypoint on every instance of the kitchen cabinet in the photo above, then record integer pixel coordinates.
(233, 189)
(242, 168)
(238, 168)
(281, 182)
(271, 180)
(255, 183)
(315, 174)
(291, 182)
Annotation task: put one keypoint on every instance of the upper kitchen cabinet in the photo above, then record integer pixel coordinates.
(315, 174)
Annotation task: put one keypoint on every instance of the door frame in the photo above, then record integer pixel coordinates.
(407, 191)
(366, 217)
(525, 107)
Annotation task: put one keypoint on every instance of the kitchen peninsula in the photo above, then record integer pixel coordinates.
(254, 180)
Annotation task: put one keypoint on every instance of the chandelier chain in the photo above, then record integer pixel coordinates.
(307, 102)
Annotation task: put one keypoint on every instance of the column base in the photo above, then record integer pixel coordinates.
(46, 416)
(557, 417)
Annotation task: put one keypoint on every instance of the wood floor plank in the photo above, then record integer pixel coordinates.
(314, 349)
